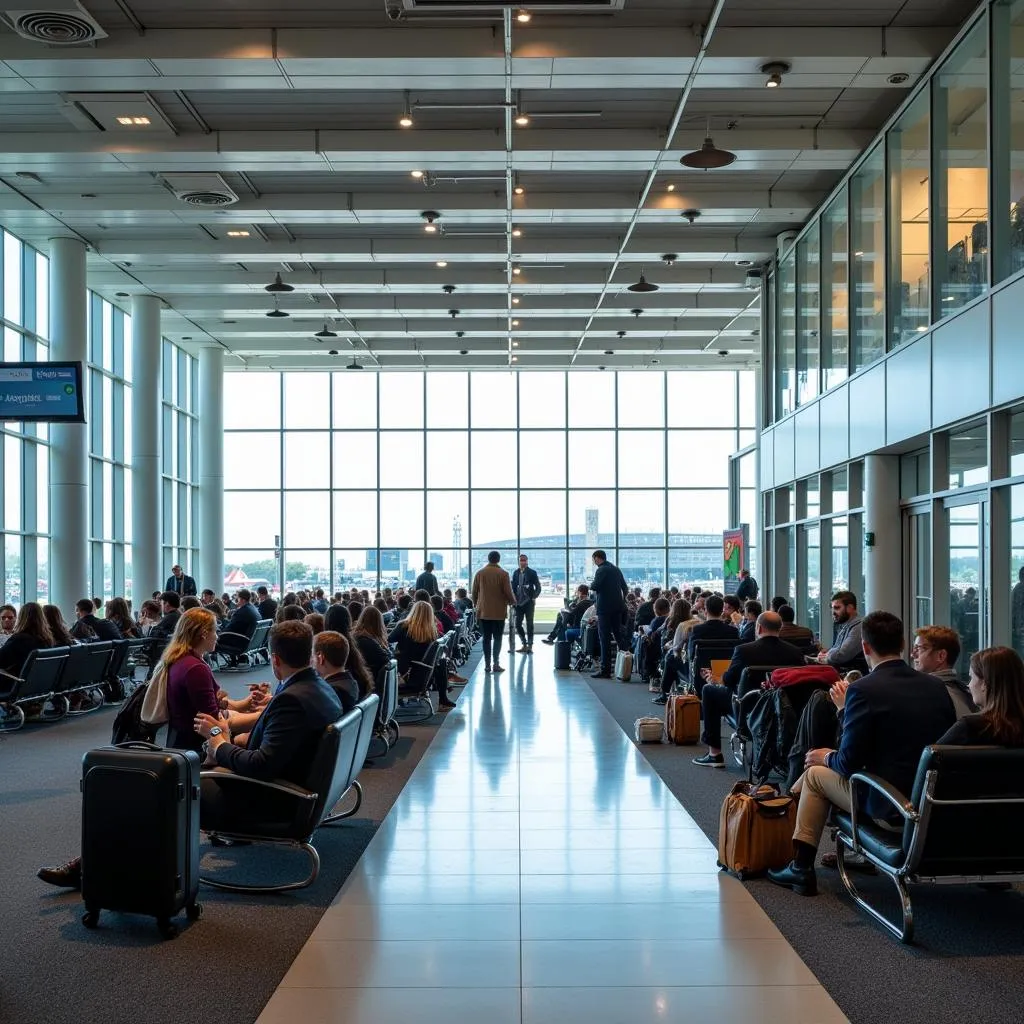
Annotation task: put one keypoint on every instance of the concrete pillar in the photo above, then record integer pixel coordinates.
(147, 572)
(69, 442)
(883, 530)
(211, 469)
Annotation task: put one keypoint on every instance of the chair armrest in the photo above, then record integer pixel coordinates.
(9, 676)
(235, 636)
(890, 792)
(278, 785)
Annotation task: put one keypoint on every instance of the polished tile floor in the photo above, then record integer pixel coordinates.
(535, 869)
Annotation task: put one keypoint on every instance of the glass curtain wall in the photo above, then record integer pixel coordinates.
(867, 220)
(808, 270)
(785, 335)
(180, 456)
(835, 278)
(366, 475)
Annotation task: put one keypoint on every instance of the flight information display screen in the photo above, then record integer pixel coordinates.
(50, 392)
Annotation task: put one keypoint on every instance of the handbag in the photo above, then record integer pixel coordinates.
(154, 706)
(648, 730)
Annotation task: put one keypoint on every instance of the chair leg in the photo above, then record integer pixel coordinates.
(314, 870)
(336, 816)
(12, 718)
(903, 931)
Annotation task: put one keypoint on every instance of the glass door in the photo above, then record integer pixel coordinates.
(968, 576)
(918, 534)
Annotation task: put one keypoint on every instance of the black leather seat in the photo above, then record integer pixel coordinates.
(367, 709)
(962, 823)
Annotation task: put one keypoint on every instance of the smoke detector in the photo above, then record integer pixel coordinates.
(199, 188)
(68, 24)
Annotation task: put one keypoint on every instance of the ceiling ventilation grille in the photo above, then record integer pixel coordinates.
(483, 7)
(67, 25)
(199, 189)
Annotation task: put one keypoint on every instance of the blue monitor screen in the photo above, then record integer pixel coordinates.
(41, 391)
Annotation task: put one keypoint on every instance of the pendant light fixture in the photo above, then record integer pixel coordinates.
(406, 121)
(277, 285)
(354, 365)
(709, 157)
(643, 285)
(325, 333)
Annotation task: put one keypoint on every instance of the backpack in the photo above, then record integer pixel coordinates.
(772, 724)
(128, 725)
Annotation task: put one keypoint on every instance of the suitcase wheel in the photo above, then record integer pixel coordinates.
(194, 911)
(168, 929)
(91, 919)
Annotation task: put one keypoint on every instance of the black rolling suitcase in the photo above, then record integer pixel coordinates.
(562, 655)
(140, 833)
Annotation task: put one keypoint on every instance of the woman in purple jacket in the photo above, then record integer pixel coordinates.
(191, 688)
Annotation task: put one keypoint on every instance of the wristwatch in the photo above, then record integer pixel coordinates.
(215, 731)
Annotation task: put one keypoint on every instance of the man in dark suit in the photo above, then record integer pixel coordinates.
(526, 587)
(714, 627)
(427, 580)
(179, 583)
(888, 717)
(88, 627)
(747, 588)
(716, 699)
(609, 591)
(791, 632)
(748, 625)
(282, 744)
(645, 612)
(238, 630)
(267, 606)
(569, 617)
(170, 607)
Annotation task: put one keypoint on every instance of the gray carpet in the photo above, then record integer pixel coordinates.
(225, 965)
(968, 963)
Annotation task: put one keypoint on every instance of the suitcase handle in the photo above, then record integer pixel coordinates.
(136, 744)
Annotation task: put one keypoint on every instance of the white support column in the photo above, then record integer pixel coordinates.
(69, 442)
(211, 469)
(883, 577)
(147, 572)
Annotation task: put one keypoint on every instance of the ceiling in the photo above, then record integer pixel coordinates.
(296, 109)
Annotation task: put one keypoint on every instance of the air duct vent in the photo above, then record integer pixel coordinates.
(67, 25)
(199, 189)
(488, 7)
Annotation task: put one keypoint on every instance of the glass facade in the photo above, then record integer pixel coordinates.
(929, 219)
(180, 456)
(364, 476)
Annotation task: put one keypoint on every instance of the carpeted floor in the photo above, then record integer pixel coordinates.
(968, 961)
(223, 966)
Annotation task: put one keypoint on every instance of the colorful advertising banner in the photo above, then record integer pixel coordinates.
(735, 545)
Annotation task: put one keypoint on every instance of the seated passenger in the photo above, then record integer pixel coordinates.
(412, 638)
(315, 621)
(58, 628)
(997, 688)
(447, 621)
(31, 633)
(645, 612)
(118, 613)
(88, 627)
(714, 627)
(170, 608)
(330, 659)
(791, 632)
(733, 609)
(8, 616)
(371, 640)
(888, 717)
(935, 651)
(149, 616)
(191, 689)
(569, 618)
(748, 627)
(845, 652)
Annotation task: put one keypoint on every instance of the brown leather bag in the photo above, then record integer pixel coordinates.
(682, 718)
(755, 829)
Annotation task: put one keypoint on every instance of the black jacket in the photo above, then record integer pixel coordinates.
(747, 590)
(572, 616)
(531, 584)
(184, 585)
(644, 614)
(427, 581)
(166, 626)
(243, 620)
(713, 629)
(283, 743)
(14, 652)
(890, 716)
(88, 627)
(767, 650)
(610, 589)
(375, 654)
(267, 608)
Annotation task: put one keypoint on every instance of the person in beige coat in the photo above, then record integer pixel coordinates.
(492, 598)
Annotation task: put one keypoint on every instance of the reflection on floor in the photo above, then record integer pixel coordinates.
(535, 869)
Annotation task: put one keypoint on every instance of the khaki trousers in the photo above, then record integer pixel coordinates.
(819, 787)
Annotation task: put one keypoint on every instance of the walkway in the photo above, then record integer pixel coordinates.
(534, 870)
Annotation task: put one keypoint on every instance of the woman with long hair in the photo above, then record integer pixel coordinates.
(997, 687)
(31, 632)
(191, 688)
(338, 620)
(371, 640)
(412, 637)
(58, 627)
(118, 613)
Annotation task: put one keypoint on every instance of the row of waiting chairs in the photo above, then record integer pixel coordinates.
(51, 676)
(240, 652)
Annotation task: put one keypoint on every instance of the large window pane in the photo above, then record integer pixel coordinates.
(641, 458)
(835, 324)
(960, 98)
(697, 512)
(493, 399)
(307, 458)
(909, 176)
(494, 458)
(700, 458)
(307, 518)
(251, 519)
(785, 345)
(641, 518)
(494, 519)
(591, 458)
(401, 399)
(699, 560)
(1017, 567)
(591, 399)
(966, 559)
(592, 519)
(808, 259)
(447, 399)
(355, 458)
(401, 519)
(713, 392)
(542, 519)
(542, 399)
(867, 203)
(401, 458)
(447, 458)
(642, 567)
(447, 519)
(542, 458)
(355, 519)
(968, 456)
(251, 400)
(355, 401)
(307, 400)
(641, 399)
(1009, 19)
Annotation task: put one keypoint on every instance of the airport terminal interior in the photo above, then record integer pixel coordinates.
(308, 309)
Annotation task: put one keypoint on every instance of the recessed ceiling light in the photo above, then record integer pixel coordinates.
(516, 271)
(442, 263)
(519, 190)
(133, 121)
(430, 216)
(517, 232)
(417, 174)
(522, 119)
(670, 187)
(121, 295)
(523, 16)
(238, 234)
(515, 344)
(515, 300)
(515, 323)
(515, 359)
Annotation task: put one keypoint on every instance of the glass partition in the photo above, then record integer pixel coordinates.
(1008, 111)
(808, 266)
(785, 370)
(910, 292)
(960, 102)
(867, 227)
(835, 281)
